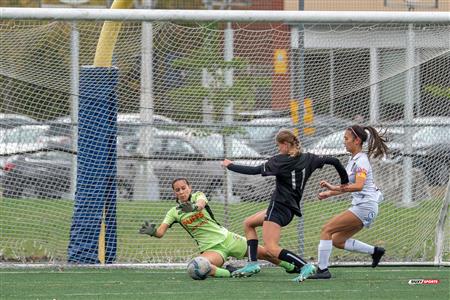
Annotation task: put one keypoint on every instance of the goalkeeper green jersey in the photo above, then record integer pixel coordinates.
(201, 225)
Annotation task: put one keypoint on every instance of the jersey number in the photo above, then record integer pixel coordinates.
(294, 182)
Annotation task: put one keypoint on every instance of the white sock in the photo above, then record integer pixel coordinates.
(358, 246)
(324, 253)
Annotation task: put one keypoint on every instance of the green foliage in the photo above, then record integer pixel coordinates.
(19, 3)
(207, 57)
(177, 4)
(438, 91)
(25, 86)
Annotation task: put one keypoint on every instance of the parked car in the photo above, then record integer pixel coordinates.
(9, 121)
(333, 144)
(432, 153)
(196, 156)
(47, 174)
(430, 147)
(62, 129)
(18, 140)
(130, 123)
(21, 139)
(41, 175)
(261, 132)
(262, 113)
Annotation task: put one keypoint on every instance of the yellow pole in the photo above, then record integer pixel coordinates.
(294, 115)
(103, 58)
(308, 117)
(108, 37)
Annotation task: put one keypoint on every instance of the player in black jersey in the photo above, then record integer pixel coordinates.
(292, 168)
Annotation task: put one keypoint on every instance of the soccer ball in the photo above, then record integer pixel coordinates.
(199, 268)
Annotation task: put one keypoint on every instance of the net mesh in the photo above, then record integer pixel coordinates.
(345, 74)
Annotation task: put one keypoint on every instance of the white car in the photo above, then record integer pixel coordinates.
(261, 132)
(19, 140)
(8, 121)
(128, 125)
(25, 138)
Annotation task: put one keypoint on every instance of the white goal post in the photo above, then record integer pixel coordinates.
(179, 90)
(224, 15)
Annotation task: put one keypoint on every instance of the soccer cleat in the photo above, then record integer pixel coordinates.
(250, 269)
(306, 272)
(295, 270)
(376, 256)
(230, 268)
(321, 274)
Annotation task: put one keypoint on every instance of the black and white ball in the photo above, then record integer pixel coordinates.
(198, 268)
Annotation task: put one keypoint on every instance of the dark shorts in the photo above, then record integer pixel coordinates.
(279, 213)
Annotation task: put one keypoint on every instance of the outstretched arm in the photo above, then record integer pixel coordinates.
(328, 160)
(161, 230)
(345, 188)
(151, 230)
(241, 168)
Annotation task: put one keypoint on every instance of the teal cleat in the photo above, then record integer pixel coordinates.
(305, 272)
(250, 269)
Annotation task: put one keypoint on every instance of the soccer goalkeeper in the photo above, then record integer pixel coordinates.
(214, 241)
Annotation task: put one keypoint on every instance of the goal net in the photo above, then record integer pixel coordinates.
(180, 97)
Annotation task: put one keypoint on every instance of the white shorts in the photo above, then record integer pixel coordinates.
(366, 212)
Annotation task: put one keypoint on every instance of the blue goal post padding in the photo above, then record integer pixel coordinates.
(96, 167)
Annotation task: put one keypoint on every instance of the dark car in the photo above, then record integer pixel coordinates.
(432, 151)
(196, 156)
(430, 148)
(41, 175)
(48, 174)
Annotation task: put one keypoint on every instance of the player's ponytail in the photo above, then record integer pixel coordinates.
(376, 145)
(286, 136)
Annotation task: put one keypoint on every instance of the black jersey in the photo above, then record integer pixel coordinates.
(291, 174)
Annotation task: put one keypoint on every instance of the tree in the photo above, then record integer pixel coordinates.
(437, 90)
(207, 60)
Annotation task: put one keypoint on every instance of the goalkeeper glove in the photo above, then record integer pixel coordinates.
(148, 228)
(187, 207)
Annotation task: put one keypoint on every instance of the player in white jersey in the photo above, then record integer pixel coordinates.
(338, 231)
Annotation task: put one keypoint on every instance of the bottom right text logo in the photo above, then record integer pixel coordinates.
(423, 281)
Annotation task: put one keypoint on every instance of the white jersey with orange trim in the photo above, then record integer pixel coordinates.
(360, 165)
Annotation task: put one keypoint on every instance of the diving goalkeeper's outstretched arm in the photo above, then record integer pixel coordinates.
(151, 230)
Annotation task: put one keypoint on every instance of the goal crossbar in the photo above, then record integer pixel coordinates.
(220, 16)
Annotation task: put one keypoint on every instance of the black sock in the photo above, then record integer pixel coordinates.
(252, 249)
(292, 258)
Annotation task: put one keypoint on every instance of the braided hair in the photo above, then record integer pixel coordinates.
(287, 136)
